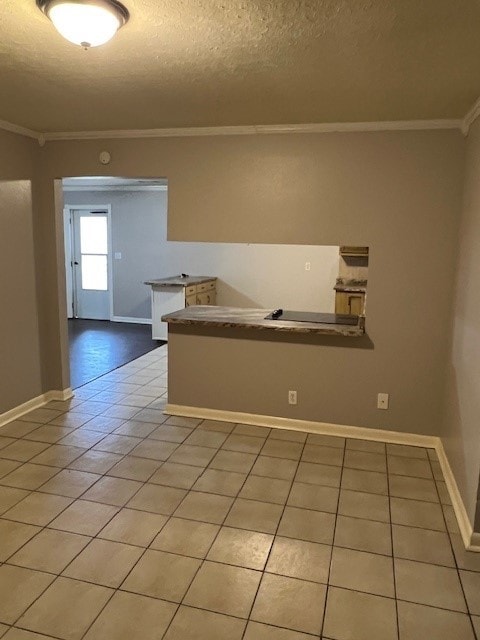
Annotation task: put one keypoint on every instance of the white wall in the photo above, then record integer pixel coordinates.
(260, 275)
(250, 275)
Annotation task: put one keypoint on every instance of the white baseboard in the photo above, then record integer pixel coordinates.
(131, 320)
(470, 539)
(62, 395)
(475, 542)
(323, 428)
(34, 403)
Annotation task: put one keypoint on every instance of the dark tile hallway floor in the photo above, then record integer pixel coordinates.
(99, 346)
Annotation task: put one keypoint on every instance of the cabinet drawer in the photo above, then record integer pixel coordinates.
(192, 289)
(191, 300)
(207, 297)
(205, 286)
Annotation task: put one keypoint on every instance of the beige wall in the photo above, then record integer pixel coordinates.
(20, 373)
(397, 192)
(461, 433)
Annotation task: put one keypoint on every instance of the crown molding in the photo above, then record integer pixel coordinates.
(328, 127)
(470, 118)
(184, 132)
(339, 127)
(23, 131)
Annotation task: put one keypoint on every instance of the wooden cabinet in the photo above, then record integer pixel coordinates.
(354, 251)
(208, 297)
(350, 303)
(167, 299)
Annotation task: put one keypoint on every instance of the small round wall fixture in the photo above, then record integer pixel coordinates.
(104, 157)
(88, 23)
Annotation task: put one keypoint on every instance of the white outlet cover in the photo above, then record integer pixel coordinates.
(382, 401)
(118, 255)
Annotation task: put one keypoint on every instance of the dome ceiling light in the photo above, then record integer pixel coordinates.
(88, 23)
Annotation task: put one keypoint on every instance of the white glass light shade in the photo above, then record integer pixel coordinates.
(88, 24)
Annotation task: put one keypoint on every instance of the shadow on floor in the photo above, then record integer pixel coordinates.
(99, 346)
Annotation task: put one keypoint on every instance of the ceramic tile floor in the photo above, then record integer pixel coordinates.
(118, 522)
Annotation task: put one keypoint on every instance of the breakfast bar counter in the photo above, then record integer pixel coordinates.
(235, 317)
(238, 364)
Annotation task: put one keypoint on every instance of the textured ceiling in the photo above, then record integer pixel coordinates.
(181, 63)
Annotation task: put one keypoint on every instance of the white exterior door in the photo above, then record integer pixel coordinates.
(90, 260)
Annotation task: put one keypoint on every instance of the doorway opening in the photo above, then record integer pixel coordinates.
(106, 221)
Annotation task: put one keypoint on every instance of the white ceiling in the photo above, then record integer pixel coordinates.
(191, 63)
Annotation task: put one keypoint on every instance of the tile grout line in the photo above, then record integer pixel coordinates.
(168, 516)
(454, 556)
(204, 469)
(204, 559)
(274, 535)
(115, 590)
(46, 526)
(146, 481)
(394, 576)
(333, 539)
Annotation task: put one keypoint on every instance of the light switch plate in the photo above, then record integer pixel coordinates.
(118, 255)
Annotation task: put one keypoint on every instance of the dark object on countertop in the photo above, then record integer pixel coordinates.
(311, 316)
(184, 275)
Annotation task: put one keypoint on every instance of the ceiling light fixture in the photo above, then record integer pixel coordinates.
(88, 23)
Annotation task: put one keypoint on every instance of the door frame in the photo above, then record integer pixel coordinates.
(68, 229)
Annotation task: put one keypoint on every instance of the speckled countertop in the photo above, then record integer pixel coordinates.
(234, 317)
(350, 286)
(179, 281)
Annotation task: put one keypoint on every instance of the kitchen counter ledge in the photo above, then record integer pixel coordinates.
(179, 281)
(235, 317)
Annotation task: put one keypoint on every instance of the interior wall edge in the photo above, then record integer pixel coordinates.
(460, 436)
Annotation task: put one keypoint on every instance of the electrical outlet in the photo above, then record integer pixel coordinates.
(307, 266)
(118, 255)
(382, 401)
(292, 397)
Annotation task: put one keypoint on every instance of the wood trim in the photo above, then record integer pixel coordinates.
(131, 320)
(22, 409)
(328, 127)
(470, 118)
(22, 131)
(470, 539)
(323, 428)
(62, 395)
(34, 403)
